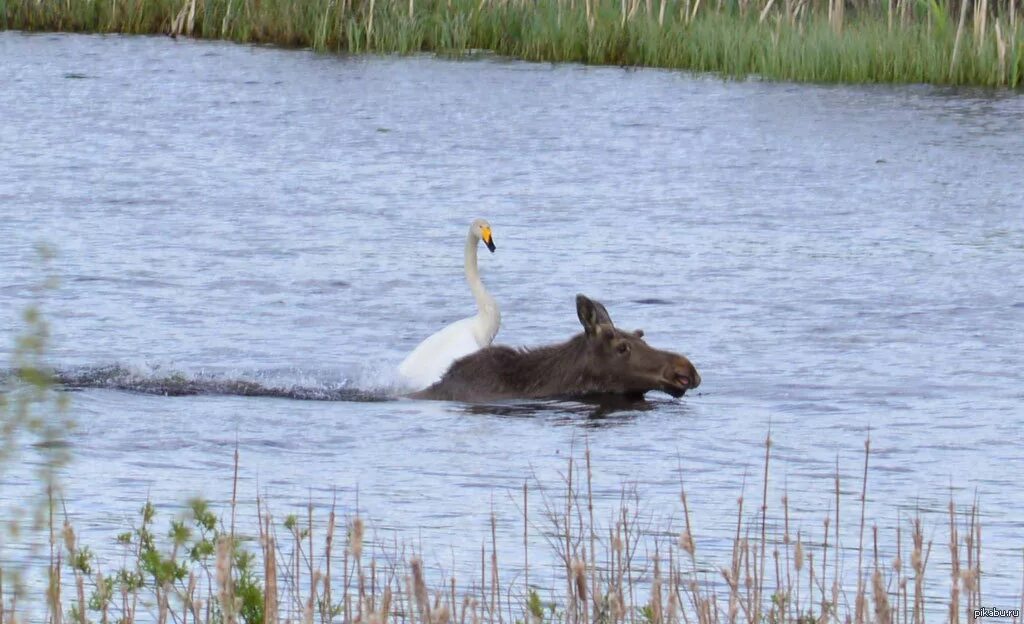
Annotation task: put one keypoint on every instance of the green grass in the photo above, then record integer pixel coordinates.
(797, 40)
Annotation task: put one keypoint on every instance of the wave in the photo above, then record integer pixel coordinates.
(286, 384)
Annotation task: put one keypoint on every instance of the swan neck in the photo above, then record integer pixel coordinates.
(483, 298)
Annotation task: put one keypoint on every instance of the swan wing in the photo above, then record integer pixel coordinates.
(429, 361)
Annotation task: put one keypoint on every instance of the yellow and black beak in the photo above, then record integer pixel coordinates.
(488, 239)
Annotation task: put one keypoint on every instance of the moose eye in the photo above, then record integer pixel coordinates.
(623, 348)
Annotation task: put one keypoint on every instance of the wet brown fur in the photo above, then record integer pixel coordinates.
(601, 360)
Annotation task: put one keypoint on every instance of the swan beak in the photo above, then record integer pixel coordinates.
(488, 240)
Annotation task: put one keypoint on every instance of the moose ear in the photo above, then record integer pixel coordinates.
(592, 314)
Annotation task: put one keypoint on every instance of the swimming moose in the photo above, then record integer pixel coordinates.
(601, 360)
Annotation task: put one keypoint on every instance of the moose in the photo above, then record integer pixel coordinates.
(602, 360)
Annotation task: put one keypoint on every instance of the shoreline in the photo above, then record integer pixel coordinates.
(799, 41)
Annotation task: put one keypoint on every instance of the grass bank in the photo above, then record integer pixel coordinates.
(945, 42)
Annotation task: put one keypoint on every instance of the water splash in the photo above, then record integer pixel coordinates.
(303, 385)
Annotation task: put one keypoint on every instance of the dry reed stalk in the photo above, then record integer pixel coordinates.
(786, 541)
(526, 546)
(465, 607)
(834, 603)
(483, 574)
(328, 548)
(307, 614)
(983, 20)
(124, 602)
(633, 7)
(369, 23)
(836, 9)
(860, 607)
(764, 516)
(270, 598)
(451, 599)
(810, 583)
(595, 588)
(419, 590)
(661, 12)
(967, 576)
(53, 602)
(673, 592)
(495, 580)
(355, 539)
(824, 568)
(1001, 52)
(373, 584)
(977, 559)
(567, 555)
(954, 553)
(161, 603)
(346, 576)
(883, 614)
(655, 602)
(917, 563)
(225, 592)
(412, 8)
(579, 571)
(924, 556)
(296, 566)
(901, 581)
(959, 34)
(798, 562)
(234, 476)
(752, 580)
(874, 542)
(80, 586)
(227, 20)
(778, 588)
(696, 5)
(734, 602)
(188, 601)
(734, 597)
(618, 593)
(630, 550)
(385, 606)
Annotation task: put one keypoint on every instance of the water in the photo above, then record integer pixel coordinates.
(833, 259)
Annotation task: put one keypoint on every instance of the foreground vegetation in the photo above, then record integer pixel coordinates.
(197, 568)
(955, 42)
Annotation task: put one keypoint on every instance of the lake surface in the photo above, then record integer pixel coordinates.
(833, 259)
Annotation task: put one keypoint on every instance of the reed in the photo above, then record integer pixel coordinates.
(932, 41)
(205, 571)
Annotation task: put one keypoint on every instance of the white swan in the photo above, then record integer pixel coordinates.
(429, 361)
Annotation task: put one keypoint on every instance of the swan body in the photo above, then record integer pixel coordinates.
(429, 361)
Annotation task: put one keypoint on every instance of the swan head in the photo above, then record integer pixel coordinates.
(481, 230)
